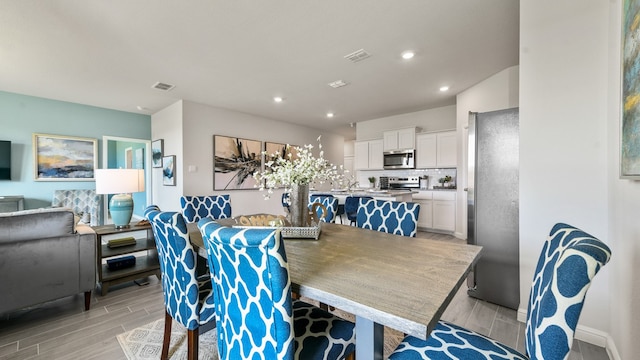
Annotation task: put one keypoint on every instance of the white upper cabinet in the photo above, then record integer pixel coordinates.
(426, 151)
(447, 149)
(399, 139)
(436, 150)
(368, 155)
(376, 161)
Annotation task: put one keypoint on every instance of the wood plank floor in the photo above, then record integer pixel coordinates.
(62, 330)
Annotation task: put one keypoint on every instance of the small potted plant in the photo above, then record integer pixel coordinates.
(447, 181)
(372, 181)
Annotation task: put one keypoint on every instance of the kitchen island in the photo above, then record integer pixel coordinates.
(395, 195)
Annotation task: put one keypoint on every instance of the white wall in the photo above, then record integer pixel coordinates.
(498, 92)
(564, 94)
(193, 125)
(438, 119)
(166, 124)
(624, 228)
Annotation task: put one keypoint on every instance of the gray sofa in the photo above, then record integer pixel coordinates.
(44, 256)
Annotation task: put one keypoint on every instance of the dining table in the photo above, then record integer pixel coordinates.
(401, 282)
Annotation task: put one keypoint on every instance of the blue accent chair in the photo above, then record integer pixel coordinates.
(330, 203)
(187, 298)
(285, 201)
(569, 260)
(394, 217)
(351, 204)
(195, 208)
(255, 315)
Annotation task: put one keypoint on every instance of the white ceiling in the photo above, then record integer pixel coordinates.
(240, 54)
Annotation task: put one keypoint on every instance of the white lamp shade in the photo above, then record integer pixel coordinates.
(119, 181)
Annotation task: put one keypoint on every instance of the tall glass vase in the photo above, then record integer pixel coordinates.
(298, 210)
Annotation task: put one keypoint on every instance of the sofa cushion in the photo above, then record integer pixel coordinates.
(37, 223)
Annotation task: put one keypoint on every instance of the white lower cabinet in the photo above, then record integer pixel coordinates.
(437, 210)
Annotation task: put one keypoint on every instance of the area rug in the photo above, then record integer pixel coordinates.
(145, 342)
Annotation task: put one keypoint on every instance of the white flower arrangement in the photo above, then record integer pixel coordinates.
(303, 169)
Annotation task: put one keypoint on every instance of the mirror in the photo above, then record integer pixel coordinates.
(128, 153)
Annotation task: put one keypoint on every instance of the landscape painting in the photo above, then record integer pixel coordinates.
(630, 124)
(235, 162)
(64, 158)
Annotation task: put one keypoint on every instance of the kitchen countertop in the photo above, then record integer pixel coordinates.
(367, 192)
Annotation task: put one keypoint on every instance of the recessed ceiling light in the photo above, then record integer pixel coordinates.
(408, 55)
(338, 83)
(444, 88)
(329, 115)
(278, 99)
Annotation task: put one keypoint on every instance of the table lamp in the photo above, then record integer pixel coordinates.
(121, 183)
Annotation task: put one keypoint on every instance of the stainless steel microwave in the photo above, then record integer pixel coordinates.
(399, 159)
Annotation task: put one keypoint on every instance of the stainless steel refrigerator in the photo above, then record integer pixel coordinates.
(492, 197)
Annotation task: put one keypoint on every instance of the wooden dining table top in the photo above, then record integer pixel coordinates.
(401, 282)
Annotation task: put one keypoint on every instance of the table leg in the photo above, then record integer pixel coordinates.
(370, 339)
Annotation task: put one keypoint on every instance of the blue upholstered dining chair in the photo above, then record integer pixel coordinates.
(330, 203)
(351, 204)
(394, 217)
(255, 315)
(195, 208)
(569, 260)
(187, 298)
(285, 201)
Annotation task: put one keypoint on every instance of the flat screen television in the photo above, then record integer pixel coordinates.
(5, 160)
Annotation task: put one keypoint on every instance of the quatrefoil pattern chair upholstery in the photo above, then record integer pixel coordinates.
(569, 260)
(195, 208)
(187, 298)
(329, 202)
(394, 217)
(84, 203)
(256, 317)
(351, 204)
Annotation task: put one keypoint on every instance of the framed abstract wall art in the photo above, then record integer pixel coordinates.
(64, 158)
(169, 170)
(156, 153)
(282, 150)
(235, 162)
(630, 123)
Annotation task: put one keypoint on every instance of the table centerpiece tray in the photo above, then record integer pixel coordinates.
(274, 221)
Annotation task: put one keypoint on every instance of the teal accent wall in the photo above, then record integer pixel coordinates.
(21, 116)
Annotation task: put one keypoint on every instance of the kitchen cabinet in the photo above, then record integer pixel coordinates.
(400, 139)
(436, 150)
(368, 155)
(447, 151)
(426, 148)
(437, 210)
(425, 199)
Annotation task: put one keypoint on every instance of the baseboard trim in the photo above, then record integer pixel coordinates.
(588, 335)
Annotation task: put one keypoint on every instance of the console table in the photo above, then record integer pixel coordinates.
(11, 203)
(146, 265)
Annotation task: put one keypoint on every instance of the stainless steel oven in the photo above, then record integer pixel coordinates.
(400, 159)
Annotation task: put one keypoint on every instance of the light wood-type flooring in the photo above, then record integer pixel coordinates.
(62, 330)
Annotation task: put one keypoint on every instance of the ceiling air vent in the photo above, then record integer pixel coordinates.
(338, 83)
(357, 55)
(163, 86)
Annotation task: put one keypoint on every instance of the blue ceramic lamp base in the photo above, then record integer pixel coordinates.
(121, 209)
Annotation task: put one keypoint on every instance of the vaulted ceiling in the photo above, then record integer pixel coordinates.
(239, 55)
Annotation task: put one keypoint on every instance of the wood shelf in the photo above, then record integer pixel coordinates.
(146, 265)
